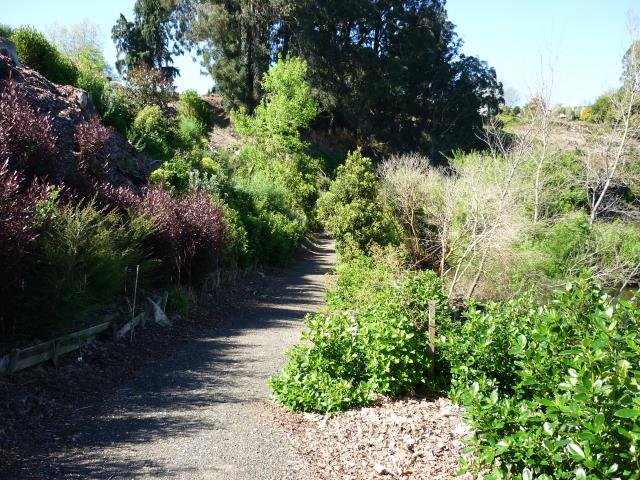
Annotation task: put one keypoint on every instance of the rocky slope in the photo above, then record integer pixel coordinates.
(68, 108)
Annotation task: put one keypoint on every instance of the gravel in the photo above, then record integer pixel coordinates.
(195, 414)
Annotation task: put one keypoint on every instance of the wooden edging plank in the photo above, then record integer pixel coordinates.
(43, 352)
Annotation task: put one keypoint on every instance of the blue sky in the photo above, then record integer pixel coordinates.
(583, 41)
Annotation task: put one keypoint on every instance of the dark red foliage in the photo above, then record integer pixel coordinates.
(191, 232)
(27, 139)
(90, 138)
(18, 230)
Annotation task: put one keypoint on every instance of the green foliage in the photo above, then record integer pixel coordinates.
(91, 76)
(352, 211)
(190, 132)
(586, 113)
(346, 357)
(190, 105)
(286, 108)
(149, 132)
(563, 190)
(370, 77)
(274, 228)
(617, 245)
(173, 175)
(552, 391)
(81, 264)
(564, 245)
(6, 31)
(35, 51)
(178, 300)
(117, 109)
(603, 109)
(236, 251)
(145, 41)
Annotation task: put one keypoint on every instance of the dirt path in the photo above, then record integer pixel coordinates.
(195, 416)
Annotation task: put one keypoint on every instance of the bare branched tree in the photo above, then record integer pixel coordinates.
(607, 164)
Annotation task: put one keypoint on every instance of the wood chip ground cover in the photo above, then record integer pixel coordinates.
(406, 439)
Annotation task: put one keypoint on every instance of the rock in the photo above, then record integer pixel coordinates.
(158, 314)
(8, 48)
(119, 163)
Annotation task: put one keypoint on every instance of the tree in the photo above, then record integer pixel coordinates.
(352, 211)
(367, 62)
(234, 37)
(145, 41)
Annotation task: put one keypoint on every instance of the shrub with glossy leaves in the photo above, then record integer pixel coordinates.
(552, 391)
(379, 346)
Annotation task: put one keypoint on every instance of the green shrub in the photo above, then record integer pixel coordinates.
(236, 251)
(117, 109)
(178, 300)
(190, 132)
(173, 175)
(603, 109)
(91, 76)
(552, 391)
(190, 105)
(563, 246)
(563, 190)
(35, 51)
(275, 229)
(6, 31)
(346, 357)
(352, 211)
(81, 264)
(149, 132)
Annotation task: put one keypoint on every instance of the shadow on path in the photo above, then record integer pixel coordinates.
(193, 415)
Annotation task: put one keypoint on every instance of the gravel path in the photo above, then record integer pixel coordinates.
(196, 415)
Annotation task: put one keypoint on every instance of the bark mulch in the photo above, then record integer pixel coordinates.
(414, 438)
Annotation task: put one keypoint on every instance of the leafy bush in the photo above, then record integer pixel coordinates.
(149, 86)
(149, 132)
(190, 105)
(174, 175)
(27, 139)
(20, 206)
(81, 264)
(287, 107)
(347, 357)
(352, 211)
(274, 228)
(190, 132)
(586, 113)
(603, 109)
(91, 76)
(564, 246)
(236, 251)
(35, 51)
(117, 109)
(552, 391)
(190, 234)
(563, 190)
(6, 31)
